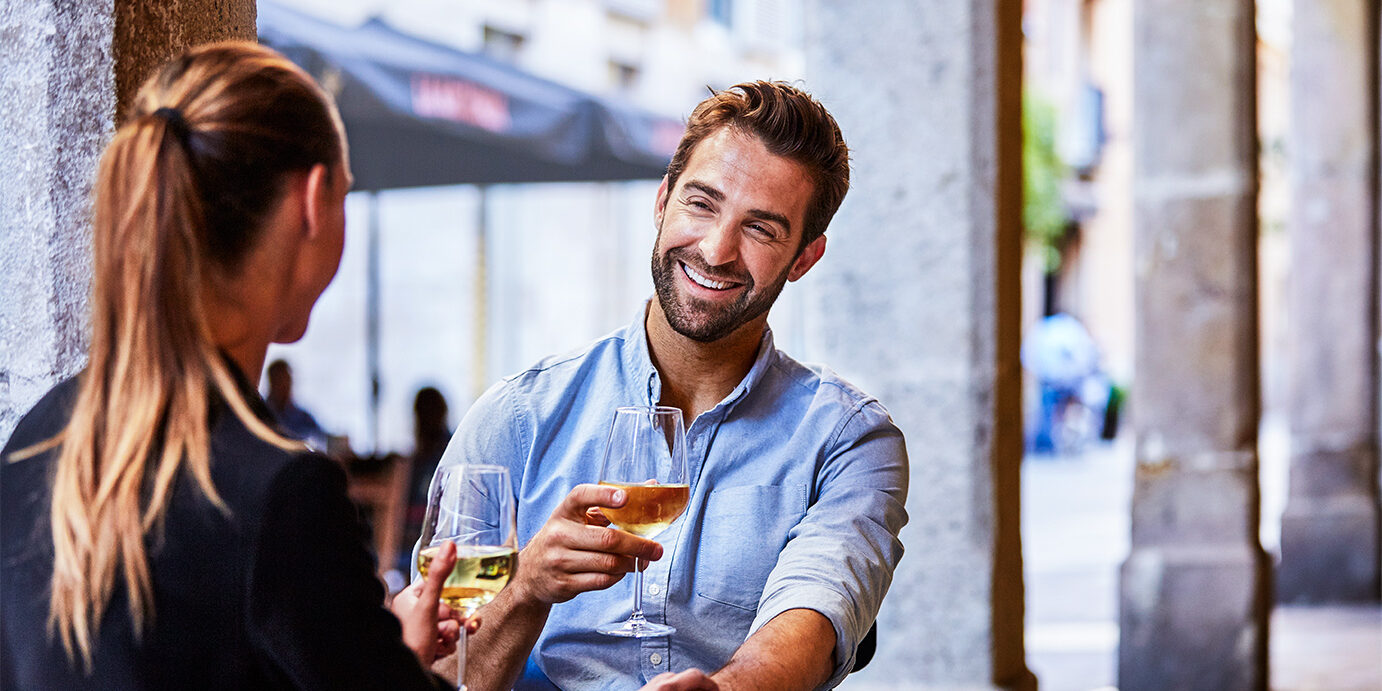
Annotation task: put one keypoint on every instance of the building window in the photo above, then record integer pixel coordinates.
(622, 76)
(502, 45)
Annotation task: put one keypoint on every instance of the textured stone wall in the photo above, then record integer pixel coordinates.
(1193, 595)
(1329, 532)
(64, 68)
(57, 98)
(917, 301)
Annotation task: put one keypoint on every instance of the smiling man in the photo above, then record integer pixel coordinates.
(778, 566)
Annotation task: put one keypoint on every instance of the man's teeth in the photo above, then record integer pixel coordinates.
(702, 280)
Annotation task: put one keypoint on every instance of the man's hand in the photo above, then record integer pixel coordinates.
(690, 680)
(429, 625)
(574, 552)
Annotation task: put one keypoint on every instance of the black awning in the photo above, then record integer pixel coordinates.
(419, 113)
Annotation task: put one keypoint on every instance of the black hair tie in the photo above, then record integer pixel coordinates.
(176, 123)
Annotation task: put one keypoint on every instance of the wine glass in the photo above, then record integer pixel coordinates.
(646, 457)
(472, 506)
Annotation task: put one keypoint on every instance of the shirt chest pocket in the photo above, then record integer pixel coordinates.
(742, 533)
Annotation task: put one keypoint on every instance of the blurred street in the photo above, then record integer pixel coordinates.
(1075, 514)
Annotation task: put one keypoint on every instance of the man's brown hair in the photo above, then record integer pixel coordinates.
(791, 124)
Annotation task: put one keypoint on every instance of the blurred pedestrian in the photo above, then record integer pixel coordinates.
(1063, 358)
(158, 532)
(292, 418)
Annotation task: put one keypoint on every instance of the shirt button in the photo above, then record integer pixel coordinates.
(653, 590)
(655, 658)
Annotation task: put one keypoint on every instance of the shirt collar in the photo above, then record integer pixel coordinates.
(639, 361)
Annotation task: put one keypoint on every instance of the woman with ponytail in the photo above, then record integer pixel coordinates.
(157, 531)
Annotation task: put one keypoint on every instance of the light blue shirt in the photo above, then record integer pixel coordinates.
(798, 482)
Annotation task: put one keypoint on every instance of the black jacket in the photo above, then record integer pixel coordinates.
(280, 593)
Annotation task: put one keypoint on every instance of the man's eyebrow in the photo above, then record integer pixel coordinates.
(717, 195)
(707, 190)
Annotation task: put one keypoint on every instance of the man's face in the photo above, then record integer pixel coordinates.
(729, 235)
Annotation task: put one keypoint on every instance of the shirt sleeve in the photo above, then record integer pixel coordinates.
(316, 612)
(839, 559)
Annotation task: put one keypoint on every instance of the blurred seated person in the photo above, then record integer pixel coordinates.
(292, 418)
(431, 432)
(158, 531)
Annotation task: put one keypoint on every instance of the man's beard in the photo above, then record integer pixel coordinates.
(700, 320)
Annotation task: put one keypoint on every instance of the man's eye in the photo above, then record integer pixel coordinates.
(699, 204)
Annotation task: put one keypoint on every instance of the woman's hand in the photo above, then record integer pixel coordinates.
(430, 627)
(690, 680)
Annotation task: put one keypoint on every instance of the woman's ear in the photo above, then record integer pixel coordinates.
(316, 187)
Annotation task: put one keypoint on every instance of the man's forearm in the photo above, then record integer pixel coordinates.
(497, 653)
(796, 650)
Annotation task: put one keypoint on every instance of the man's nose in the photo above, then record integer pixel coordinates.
(720, 245)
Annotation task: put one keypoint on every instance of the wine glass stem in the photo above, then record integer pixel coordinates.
(637, 615)
(460, 658)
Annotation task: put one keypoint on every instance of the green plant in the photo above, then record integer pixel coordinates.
(1043, 208)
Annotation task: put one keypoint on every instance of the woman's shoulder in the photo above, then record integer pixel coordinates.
(247, 469)
(45, 419)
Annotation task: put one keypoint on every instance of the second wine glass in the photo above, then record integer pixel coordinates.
(646, 457)
(471, 505)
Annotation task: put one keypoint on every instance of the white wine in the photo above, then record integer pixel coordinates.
(650, 508)
(480, 573)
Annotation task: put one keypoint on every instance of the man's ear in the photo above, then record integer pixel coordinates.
(810, 254)
(660, 204)
(316, 185)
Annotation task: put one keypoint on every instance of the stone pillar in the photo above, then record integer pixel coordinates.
(66, 68)
(917, 300)
(1329, 532)
(1194, 595)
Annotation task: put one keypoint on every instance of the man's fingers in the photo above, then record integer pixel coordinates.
(438, 571)
(620, 542)
(592, 561)
(585, 496)
(472, 624)
(593, 516)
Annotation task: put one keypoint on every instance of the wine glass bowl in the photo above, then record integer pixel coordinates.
(645, 456)
(650, 508)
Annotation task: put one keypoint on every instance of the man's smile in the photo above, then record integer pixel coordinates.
(704, 281)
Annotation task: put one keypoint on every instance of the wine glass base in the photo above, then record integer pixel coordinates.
(636, 629)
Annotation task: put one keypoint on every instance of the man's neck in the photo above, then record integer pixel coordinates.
(696, 376)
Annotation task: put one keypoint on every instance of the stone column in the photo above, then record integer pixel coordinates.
(1194, 595)
(917, 301)
(1329, 533)
(65, 69)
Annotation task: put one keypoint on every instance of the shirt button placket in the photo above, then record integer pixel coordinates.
(656, 658)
